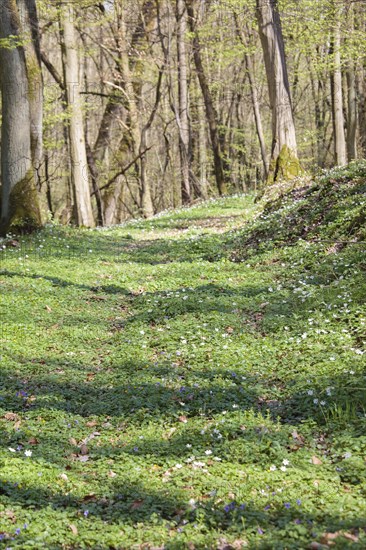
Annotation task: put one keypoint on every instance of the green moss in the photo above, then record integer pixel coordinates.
(24, 211)
(34, 75)
(285, 167)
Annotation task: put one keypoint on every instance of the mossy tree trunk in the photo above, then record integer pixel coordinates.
(21, 130)
(284, 162)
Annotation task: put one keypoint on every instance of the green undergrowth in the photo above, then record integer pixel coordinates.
(192, 381)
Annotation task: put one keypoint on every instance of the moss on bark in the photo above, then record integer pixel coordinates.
(24, 212)
(285, 167)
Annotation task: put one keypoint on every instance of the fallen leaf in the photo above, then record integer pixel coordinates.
(91, 423)
(84, 449)
(136, 504)
(73, 441)
(169, 434)
(33, 441)
(48, 309)
(11, 416)
(183, 419)
(327, 538)
(74, 529)
(316, 460)
(13, 243)
(350, 536)
(90, 498)
(64, 477)
(111, 473)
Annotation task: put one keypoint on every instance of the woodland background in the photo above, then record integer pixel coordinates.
(135, 94)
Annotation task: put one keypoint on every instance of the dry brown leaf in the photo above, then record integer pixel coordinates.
(33, 441)
(74, 529)
(111, 473)
(9, 514)
(183, 419)
(136, 504)
(327, 538)
(350, 536)
(73, 441)
(48, 309)
(315, 460)
(169, 434)
(11, 416)
(91, 423)
(90, 498)
(84, 449)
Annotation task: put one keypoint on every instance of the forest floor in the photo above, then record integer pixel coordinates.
(192, 381)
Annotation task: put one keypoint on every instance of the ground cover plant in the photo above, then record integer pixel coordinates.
(192, 381)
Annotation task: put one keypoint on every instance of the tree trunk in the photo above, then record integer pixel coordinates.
(79, 165)
(351, 114)
(211, 114)
(361, 93)
(29, 19)
(184, 129)
(146, 204)
(202, 150)
(254, 97)
(284, 161)
(21, 136)
(340, 152)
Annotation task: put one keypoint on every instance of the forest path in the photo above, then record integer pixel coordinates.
(174, 388)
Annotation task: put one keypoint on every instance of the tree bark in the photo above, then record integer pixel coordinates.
(184, 127)
(211, 114)
(79, 165)
(254, 98)
(340, 151)
(146, 204)
(284, 162)
(351, 114)
(21, 135)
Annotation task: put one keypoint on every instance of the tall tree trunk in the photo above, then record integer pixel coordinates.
(340, 151)
(254, 97)
(202, 150)
(29, 19)
(146, 204)
(351, 113)
(211, 114)
(284, 161)
(184, 128)
(79, 164)
(361, 94)
(21, 135)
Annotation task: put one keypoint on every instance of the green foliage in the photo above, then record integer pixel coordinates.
(194, 380)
